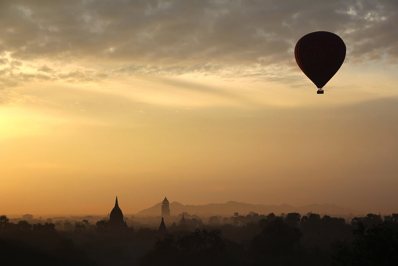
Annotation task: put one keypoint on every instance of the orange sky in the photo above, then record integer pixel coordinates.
(197, 103)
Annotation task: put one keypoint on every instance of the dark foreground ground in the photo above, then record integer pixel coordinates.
(239, 240)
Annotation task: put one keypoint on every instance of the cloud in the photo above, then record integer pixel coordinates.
(14, 73)
(191, 33)
(93, 40)
(45, 69)
(3, 61)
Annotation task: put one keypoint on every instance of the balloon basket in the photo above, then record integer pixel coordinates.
(319, 92)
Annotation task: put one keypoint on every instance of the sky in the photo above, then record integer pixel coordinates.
(199, 101)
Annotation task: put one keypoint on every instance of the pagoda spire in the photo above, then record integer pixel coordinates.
(116, 203)
(165, 208)
(116, 219)
(162, 227)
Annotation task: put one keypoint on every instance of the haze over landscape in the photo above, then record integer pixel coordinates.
(232, 207)
(201, 101)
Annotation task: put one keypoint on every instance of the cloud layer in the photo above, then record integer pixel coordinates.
(193, 33)
(96, 40)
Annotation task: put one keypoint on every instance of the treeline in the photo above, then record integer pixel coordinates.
(253, 239)
(37, 244)
(284, 240)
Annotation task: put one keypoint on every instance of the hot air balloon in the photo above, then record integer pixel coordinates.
(319, 55)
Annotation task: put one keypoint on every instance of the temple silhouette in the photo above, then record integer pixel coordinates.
(116, 219)
(162, 228)
(165, 208)
(165, 213)
(117, 223)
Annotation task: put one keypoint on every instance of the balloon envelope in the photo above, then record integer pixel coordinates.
(319, 55)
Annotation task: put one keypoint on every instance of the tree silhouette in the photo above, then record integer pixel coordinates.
(101, 226)
(377, 246)
(24, 226)
(199, 248)
(4, 222)
(47, 227)
(214, 220)
(80, 227)
(293, 218)
(271, 217)
(368, 221)
(277, 244)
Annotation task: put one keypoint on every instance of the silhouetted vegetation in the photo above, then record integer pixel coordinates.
(250, 240)
(377, 245)
(201, 247)
(37, 244)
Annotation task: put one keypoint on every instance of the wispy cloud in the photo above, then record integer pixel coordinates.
(191, 34)
(91, 41)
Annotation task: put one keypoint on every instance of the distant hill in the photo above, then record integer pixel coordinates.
(229, 208)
